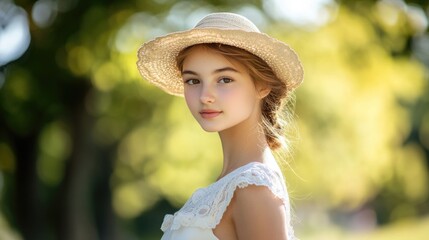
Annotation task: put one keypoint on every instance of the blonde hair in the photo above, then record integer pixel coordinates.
(274, 119)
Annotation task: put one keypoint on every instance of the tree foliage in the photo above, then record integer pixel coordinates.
(88, 150)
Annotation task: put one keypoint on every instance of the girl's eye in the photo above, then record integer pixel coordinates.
(192, 81)
(225, 80)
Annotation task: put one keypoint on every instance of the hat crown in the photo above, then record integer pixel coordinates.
(227, 21)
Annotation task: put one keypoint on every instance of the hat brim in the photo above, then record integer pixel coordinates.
(157, 58)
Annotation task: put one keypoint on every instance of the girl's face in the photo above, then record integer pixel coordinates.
(218, 91)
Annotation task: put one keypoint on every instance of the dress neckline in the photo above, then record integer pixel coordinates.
(234, 171)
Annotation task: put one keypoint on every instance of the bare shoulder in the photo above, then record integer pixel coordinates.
(258, 214)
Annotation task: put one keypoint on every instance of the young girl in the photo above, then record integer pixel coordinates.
(235, 81)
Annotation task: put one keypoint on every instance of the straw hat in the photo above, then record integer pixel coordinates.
(157, 58)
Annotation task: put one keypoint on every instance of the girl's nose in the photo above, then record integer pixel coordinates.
(207, 95)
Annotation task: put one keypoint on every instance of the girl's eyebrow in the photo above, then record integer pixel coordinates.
(189, 72)
(215, 71)
(225, 69)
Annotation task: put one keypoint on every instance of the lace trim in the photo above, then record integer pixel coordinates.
(207, 205)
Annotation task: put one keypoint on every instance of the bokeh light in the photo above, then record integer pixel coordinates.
(14, 32)
(108, 154)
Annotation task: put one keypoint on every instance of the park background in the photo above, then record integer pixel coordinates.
(89, 150)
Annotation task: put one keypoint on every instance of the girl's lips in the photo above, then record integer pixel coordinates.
(207, 114)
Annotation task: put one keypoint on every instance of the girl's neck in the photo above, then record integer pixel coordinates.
(242, 144)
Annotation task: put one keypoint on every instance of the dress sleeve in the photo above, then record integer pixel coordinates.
(260, 175)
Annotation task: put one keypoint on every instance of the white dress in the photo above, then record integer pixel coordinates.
(205, 208)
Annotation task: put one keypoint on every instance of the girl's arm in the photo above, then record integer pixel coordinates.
(258, 214)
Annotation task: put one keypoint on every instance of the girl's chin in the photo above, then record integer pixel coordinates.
(210, 129)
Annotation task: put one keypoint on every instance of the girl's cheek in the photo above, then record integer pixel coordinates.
(227, 92)
(237, 92)
(188, 98)
(192, 98)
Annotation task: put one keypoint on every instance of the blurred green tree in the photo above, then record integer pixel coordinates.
(90, 151)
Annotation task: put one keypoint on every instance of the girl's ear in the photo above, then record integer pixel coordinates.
(263, 91)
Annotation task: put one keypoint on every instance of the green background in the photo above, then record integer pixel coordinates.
(89, 150)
